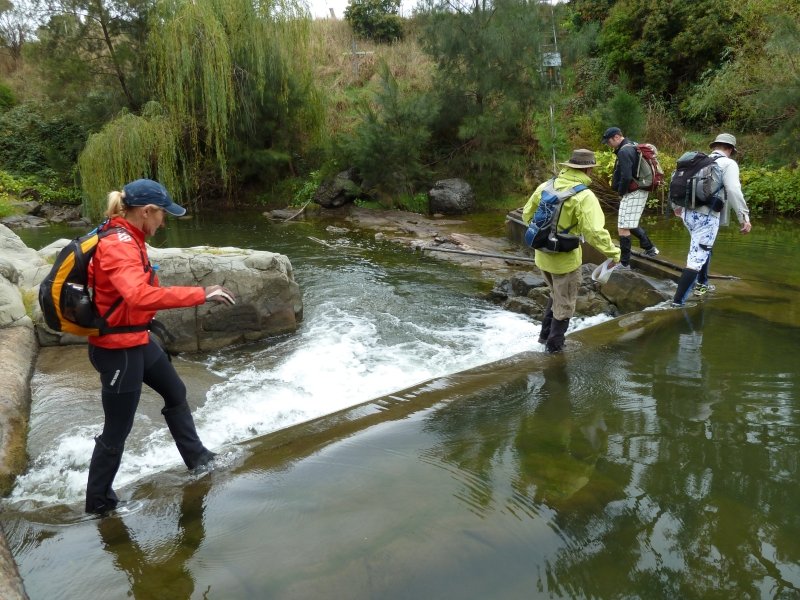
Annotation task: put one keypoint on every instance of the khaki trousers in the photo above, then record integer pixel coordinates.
(564, 292)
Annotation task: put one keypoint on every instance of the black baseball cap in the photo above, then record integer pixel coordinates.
(146, 191)
(610, 132)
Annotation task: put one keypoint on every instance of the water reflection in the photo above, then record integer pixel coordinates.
(159, 568)
(687, 363)
(667, 464)
(557, 447)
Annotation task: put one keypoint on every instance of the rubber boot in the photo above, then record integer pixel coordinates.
(685, 285)
(547, 319)
(100, 497)
(555, 341)
(181, 426)
(702, 276)
(625, 247)
(644, 241)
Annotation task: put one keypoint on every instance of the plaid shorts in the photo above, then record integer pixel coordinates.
(631, 207)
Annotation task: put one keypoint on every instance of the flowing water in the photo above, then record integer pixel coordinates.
(656, 462)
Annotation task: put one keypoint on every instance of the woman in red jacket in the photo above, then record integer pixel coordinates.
(126, 291)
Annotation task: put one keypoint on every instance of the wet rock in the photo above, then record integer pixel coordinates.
(23, 221)
(17, 355)
(31, 207)
(631, 291)
(625, 292)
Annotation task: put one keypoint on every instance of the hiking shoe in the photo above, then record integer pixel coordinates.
(621, 267)
(651, 252)
(701, 289)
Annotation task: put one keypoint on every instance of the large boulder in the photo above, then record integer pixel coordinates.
(20, 265)
(451, 197)
(631, 291)
(342, 189)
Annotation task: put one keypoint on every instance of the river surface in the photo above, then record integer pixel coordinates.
(382, 452)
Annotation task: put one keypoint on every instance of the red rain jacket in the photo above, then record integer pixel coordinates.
(121, 267)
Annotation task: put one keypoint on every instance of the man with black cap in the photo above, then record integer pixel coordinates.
(632, 199)
(581, 214)
(703, 221)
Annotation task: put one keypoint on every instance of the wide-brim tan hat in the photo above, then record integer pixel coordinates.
(580, 159)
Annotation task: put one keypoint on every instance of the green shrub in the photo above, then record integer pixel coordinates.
(772, 192)
(33, 142)
(305, 191)
(14, 188)
(375, 19)
(387, 146)
(625, 111)
(417, 203)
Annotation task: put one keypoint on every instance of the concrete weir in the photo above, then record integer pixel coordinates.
(18, 350)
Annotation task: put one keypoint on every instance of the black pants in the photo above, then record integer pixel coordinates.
(122, 373)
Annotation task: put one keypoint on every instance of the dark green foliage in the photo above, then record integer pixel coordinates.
(779, 96)
(662, 47)
(488, 77)
(625, 112)
(588, 11)
(94, 45)
(375, 19)
(39, 141)
(756, 88)
(266, 146)
(389, 144)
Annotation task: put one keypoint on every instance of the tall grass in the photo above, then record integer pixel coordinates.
(346, 66)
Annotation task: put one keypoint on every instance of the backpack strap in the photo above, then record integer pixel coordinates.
(563, 196)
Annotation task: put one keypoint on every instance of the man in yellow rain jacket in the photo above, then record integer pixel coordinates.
(580, 215)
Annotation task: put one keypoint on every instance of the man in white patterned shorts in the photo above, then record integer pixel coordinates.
(703, 222)
(632, 200)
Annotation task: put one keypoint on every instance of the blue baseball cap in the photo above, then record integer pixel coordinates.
(146, 191)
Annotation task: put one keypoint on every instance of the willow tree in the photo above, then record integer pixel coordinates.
(216, 63)
(127, 148)
(220, 69)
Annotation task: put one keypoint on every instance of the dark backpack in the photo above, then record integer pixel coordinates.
(697, 181)
(64, 295)
(542, 233)
(649, 174)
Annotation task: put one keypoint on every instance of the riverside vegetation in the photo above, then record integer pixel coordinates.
(237, 102)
